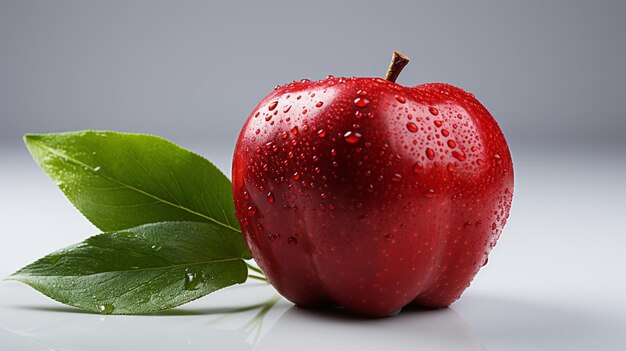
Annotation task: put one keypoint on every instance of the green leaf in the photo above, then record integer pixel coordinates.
(121, 180)
(145, 269)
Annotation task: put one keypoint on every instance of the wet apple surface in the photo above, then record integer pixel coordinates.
(369, 194)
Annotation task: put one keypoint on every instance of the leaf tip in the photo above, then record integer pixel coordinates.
(29, 137)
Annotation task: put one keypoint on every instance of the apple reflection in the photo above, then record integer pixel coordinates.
(339, 330)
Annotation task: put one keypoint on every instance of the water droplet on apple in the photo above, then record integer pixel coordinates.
(352, 137)
(451, 144)
(361, 102)
(417, 167)
(319, 104)
(498, 159)
(401, 99)
(433, 111)
(321, 133)
(396, 177)
(246, 196)
(294, 130)
(430, 193)
(270, 198)
(273, 236)
(292, 240)
(252, 211)
(445, 132)
(438, 123)
(272, 105)
(296, 176)
(458, 155)
(430, 154)
(412, 127)
(361, 92)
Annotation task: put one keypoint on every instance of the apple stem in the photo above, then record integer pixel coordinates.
(398, 62)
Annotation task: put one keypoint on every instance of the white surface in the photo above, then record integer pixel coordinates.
(555, 281)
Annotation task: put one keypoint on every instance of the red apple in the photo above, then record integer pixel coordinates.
(371, 195)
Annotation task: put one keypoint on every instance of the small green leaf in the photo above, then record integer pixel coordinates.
(145, 269)
(121, 180)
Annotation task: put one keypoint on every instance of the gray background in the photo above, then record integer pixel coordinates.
(552, 73)
(549, 71)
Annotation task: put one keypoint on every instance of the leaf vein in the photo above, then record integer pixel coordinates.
(71, 159)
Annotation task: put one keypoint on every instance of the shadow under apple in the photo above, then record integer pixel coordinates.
(337, 329)
(473, 323)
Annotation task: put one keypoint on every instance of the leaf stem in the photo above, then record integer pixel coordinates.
(257, 277)
(254, 268)
(271, 301)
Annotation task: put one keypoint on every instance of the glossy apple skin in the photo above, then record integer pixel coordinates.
(371, 195)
